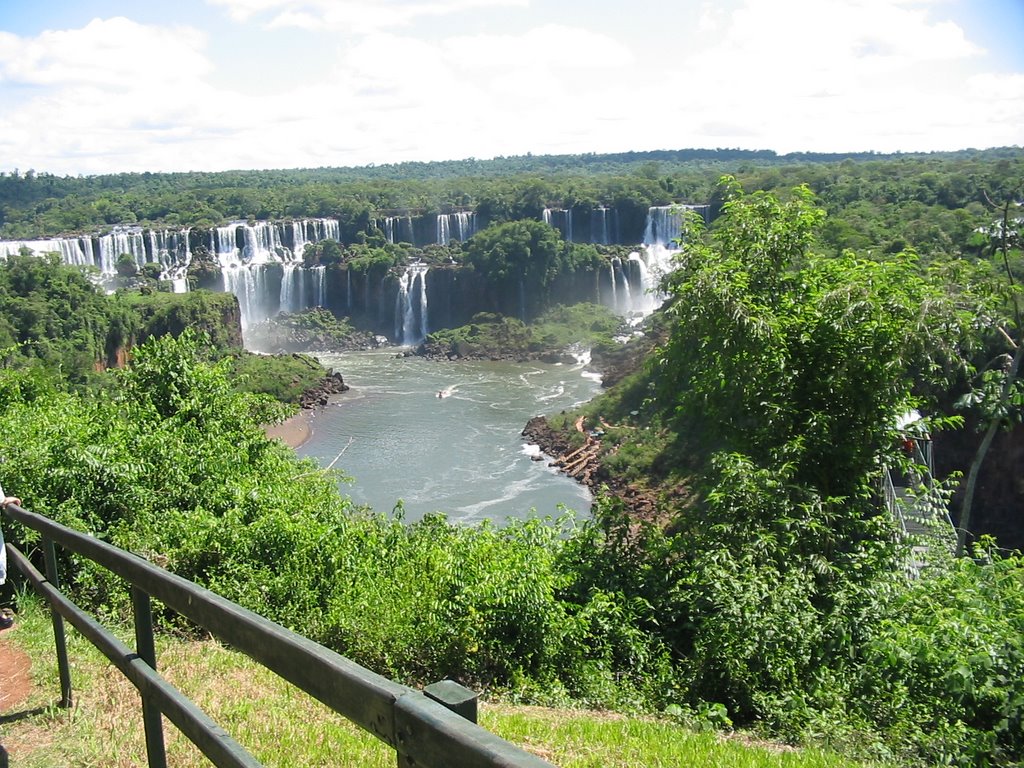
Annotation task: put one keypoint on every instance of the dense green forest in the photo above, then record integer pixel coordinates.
(931, 201)
(770, 590)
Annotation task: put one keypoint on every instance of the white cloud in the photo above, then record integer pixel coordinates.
(828, 75)
(353, 16)
(816, 75)
(111, 95)
(113, 52)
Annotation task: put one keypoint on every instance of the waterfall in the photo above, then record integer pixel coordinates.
(262, 243)
(615, 293)
(319, 286)
(240, 249)
(601, 226)
(398, 229)
(121, 240)
(649, 297)
(224, 246)
(76, 251)
(455, 226)
(560, 219)
(298, 238)
(465, 225)
(410, 301)
(249, 286)
(348, 289)
(661, 243)
(623, 303)
(172, 252)
(329, 229)
(293, 297)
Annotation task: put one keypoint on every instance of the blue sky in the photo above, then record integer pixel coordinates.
(108, 86)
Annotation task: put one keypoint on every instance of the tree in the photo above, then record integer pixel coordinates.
(521, 259)
(126, 266)
(794, 359)
(1005, 390)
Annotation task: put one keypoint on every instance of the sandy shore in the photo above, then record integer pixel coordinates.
(294, 431)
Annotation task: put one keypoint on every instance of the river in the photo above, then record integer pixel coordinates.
(461, 454)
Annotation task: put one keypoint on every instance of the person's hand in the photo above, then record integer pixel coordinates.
(11, 500)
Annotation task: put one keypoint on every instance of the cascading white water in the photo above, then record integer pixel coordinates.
(319, 286)
(243, 267)
(600, 226)
(560, 219)
(248, 283)
(172, 252)
(412, 297)
(621, 303)
(121, 240)
(458, 226)
(263, 243)
(649, 297)
(224, 245)
(76, 251)
(298, 239)
(465, 225)
(291, 299)
(328, 229)
(398, 229)
(661, 243)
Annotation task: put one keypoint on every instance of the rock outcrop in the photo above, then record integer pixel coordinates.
(331, 384)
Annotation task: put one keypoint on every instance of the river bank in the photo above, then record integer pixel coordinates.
(294, 431)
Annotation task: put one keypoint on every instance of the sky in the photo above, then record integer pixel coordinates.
(104, 86)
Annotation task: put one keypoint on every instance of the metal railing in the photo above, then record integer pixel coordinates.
(927, 526)
(428, 728)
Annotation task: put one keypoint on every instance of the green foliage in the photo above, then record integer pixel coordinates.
(776, 597)
(488, 336)
(758, 607)
(583, 324)
(369, 259)
(944, 669)
(284, 377)
(126, 266)
(798, 359)
(55, 317)
(520, 258)
(493, 336)
(211, 313)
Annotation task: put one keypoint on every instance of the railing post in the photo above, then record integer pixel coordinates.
(451, 695)
(458, 698)
(59, 639)
(146, 648)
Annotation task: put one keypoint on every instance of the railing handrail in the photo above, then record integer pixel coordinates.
(413, 724)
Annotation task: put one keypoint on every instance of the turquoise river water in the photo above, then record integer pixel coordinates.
(461, 454)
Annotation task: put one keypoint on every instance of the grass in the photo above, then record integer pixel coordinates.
(281, 726)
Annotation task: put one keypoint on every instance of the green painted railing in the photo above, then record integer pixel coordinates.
(432, 728)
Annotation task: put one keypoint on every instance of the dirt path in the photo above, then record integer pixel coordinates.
(15, 681)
